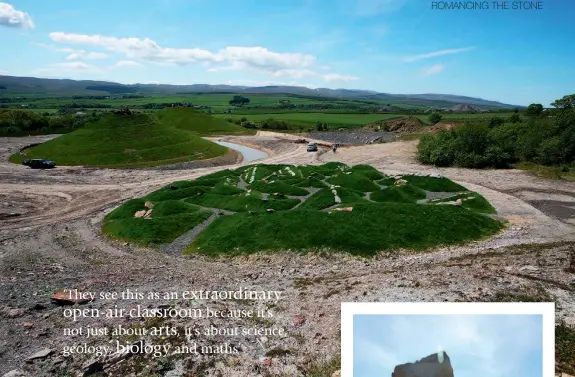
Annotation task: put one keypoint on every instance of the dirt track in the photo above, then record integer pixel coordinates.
(49, 239)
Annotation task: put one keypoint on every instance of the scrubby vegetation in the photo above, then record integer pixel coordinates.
(24, 123)
(545, 138)
(306, 208)
(565, 348)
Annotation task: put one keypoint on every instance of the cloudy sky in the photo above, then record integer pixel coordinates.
(478, 345)
(392, 46)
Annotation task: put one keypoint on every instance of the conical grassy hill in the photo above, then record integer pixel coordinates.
(129, 141)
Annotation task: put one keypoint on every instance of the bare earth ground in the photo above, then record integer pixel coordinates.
(50, 239)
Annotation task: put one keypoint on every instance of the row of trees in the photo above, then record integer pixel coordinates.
(267, 124)
(239, 101)
(501, 142)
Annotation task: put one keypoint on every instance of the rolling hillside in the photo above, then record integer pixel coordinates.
(31, 85)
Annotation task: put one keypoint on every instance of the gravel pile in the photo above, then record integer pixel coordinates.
(352, 138)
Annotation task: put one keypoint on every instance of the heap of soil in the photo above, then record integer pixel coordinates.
(442, 126)
(398, 125)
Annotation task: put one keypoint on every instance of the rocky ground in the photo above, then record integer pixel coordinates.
(352, 138)
(50, 240)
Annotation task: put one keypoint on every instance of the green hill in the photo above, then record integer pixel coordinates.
(188, 119)
(125, 141)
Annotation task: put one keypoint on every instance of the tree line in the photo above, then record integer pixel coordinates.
(543, 137)
(23, 123)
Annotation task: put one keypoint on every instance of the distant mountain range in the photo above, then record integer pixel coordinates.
(34, 85)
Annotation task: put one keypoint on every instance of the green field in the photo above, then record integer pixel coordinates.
(218, 102)
(286, 207)
(126, 141)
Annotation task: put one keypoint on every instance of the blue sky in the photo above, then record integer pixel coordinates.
(478, 345)
(391, 46)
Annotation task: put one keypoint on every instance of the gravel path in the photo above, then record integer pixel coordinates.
(442, 195)
(177, 246)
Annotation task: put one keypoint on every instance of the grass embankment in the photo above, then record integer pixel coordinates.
(125, 141)
(272, 211)
(191, 120)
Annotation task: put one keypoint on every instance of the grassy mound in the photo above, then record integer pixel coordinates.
(405, 193)
(370, 227)
(188, 119)
(278, 207)
(434, 184)
(125, 141)
(167, 221)
(472, 201)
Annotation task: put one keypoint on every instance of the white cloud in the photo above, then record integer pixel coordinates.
(234, 66)
(414, 58)
(331, 77)
(81, 54)
(433, 70)
(295, 73)
(11, 17)
(325, 67)
(128, 63)
(3, 72)
(73, 53)
(57, 69)
(258, 58)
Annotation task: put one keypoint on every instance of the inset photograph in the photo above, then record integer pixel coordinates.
(448, 339)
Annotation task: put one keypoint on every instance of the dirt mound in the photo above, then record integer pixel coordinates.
(442, 126)
(398, 125)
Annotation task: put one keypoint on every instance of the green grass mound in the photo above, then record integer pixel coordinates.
(368, 171)
(367, 229)
(269, 207)
(472, 201)
(188, 119)
(405, 193)
(167, 221)
(354, 181)
(125, 141)
(434, 184)
(279, 187)
(242, 203)
(155, 231)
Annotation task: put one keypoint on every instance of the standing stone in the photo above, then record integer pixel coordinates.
(436, 365)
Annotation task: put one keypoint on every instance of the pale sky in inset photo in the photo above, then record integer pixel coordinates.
(483, 345)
